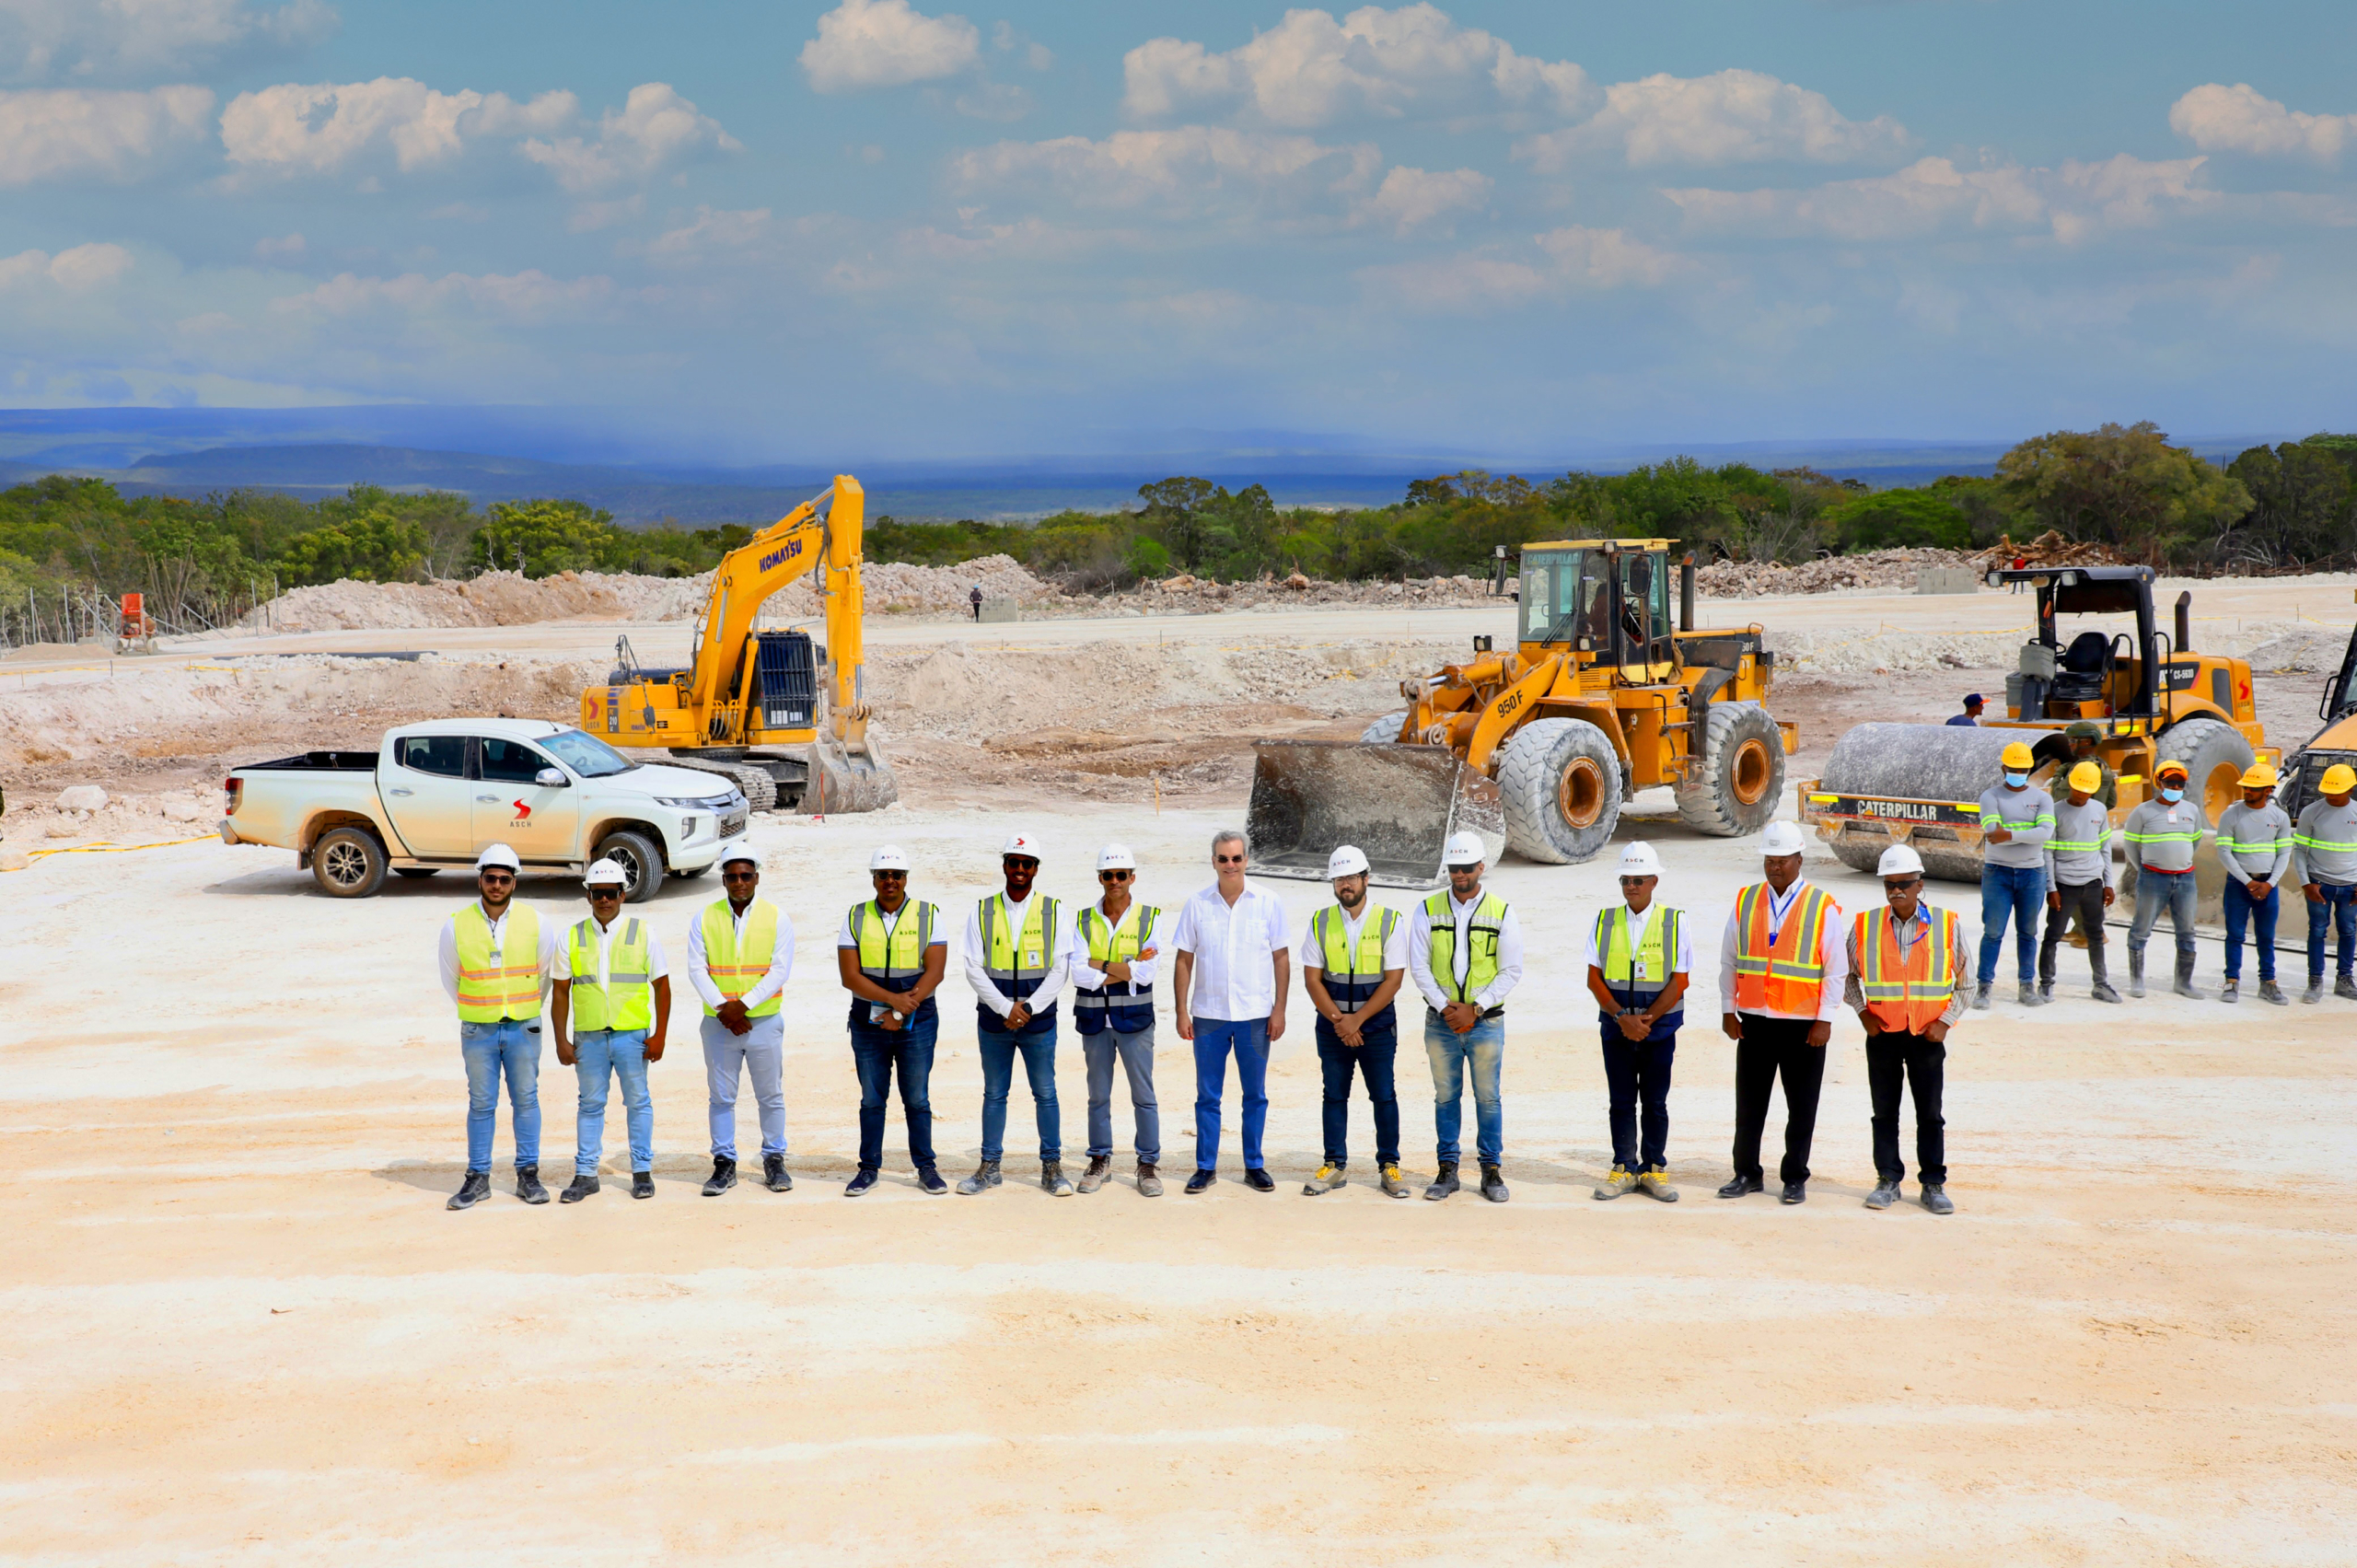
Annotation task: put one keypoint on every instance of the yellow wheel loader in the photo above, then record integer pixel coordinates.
(1537, 748)
(783, 716)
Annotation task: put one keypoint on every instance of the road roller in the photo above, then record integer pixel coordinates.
(2150, 696)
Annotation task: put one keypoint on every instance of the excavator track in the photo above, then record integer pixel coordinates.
(760, 790)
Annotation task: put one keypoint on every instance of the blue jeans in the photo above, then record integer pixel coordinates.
(2017, 891)
(998, 1076)
(875, 1054)
(1214, 1038)
(1483, 1048)
(513, 1046)
(2154, 889)
(2339, 909)
(2242, 913)
(600, 1056)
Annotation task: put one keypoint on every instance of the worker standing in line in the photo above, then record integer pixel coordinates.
(1353, 960)
(1971, 714)
(1112, 1006)
(740, 954)
(1465, 952)
(1228, 986)
(1640, 959)
(612, 979)
(1906, 963)
(2161, 836)
(2255, 846)
(1781, 968)
(2324, 862)
(2078, 878)
(891, 955)
(2084, 737)
(494, 955)
(2015, 821)
(1017, 955)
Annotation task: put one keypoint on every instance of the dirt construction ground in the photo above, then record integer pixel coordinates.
(248, 1331)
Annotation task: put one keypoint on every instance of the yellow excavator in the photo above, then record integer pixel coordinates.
(783, 716)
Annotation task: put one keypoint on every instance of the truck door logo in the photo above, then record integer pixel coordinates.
(523, 815)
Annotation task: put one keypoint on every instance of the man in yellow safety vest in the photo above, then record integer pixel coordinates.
(1019, 954)
(1114, 958)
(891, 954)
(495, 957)
(1353, 960)
(1465, 953)
(1781, 967)
(1906, 981)
(740, 954)
(611, 978)
(1640, 958)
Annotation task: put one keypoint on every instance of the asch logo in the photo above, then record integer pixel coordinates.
(523, 815)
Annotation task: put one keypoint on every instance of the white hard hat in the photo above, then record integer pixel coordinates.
(1464, 849)
(1782, 838)
(1348, 860)
(1023, 844)
(1116, 858)
(1639, 860)
(890, 858)
(498, 855)
(1899, 860)
(605, 871)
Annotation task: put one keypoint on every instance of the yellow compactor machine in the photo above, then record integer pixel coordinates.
(782, 715)
(1537, 747)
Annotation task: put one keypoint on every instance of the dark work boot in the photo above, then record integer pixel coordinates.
(985, 1177)
(1494, 1184)
(2345, 988)
(2270, 992)
(2185, 986)
(2135, 971)
(775, 1176)
(1053, 1179)
(929, 1181)
(642, 1184)
(528, 1184)
(723, 1176)
(2230, 991)
(582, 1187)
(1794, 1192)
(1445, 1183)
(472, 1190)
(1885, 1195)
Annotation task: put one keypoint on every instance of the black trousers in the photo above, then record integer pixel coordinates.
(2082, 900)
(1637, 1072)
(1894, 1060)
(1771, 1048)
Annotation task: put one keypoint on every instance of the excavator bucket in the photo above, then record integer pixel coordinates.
(1399, 804)
(847, 781)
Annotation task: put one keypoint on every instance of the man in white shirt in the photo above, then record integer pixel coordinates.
(1640, 958)
(1353, 962)
(1781, 968)
(1228, 986)
(1018, 954)
(494, 955)
(740, 954)
(1465, 954)
(620, 1014)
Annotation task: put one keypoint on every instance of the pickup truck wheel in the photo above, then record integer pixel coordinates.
(348, 862)
(417, 871)
(641, 864)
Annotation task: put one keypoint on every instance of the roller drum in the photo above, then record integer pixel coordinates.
(1920, 762)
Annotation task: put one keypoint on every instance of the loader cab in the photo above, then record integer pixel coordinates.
(1606, 600)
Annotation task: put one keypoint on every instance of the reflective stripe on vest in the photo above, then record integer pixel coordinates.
(1008, 955)
(1645, 971)
(1480, 936)
(1353, 975)
(627, 1002)
(894, 962)
(489, 987)
(1785, 975)
(735, 971)
(1906, 995)
(1125, 1004)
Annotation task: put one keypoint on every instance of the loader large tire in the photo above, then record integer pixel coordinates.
(1737, 780)
(2214, 754)
(1560, 783)
(1384, 731)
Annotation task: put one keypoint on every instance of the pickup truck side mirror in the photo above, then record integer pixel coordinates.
(550, 778)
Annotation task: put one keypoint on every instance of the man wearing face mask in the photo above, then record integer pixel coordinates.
(2161, 836)
(2015, 822)
(2078, 869)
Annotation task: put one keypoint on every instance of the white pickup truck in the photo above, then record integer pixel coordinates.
(440, 792)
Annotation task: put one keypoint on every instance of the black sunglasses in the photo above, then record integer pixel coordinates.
(601, 894)
(1113, 875)
(499, 877)
(741, 876)
(1633, 881)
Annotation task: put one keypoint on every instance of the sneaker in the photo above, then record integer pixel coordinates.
(1794, 1192)
(1616, 1181)
(1935, 1197)
(1259, 1179)
(1980, 996)
(642, 1184)
(1885, 1195)
(472, 1190)
(2103, 992)
(1053, 1179)
(1653, 1182)
(1149, 1180)
(528, 1184)
(2270, 992)
(1443, 1184)
(2231, 992)
(1099, 1171)
(1202, 1181)
(1742, 1186)
(1493, 1185)
(1330, 1175)
(723, 1176)
(1394, 1184)
(2345, 988)
(929, 1181)
(2030, 995)
(2315, 993)
(2045, 988)
(861, 1181)
(986, 1176)
(775, 1176)
(582, 1187)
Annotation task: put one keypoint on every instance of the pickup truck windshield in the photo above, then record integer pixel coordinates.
(587, 755)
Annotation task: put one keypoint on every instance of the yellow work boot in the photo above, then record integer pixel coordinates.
(1330, 1175)
(1655, 1179)
(1395, 1183)
(1623, 1180)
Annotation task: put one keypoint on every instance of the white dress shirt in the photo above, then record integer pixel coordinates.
(1830, 945)
(447, 952)
(1142, 970)
(1681, 962)
(1419, 955)
(657, 967)
(1235, 948)
(1395, 951)
(978, 957)
(773, 981)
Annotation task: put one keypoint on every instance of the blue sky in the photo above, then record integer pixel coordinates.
(815, 232)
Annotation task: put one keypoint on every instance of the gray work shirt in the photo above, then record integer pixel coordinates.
(2028, 815)
(2080, 851)
(2323, 846)
(2255, 843)
(2163, 837)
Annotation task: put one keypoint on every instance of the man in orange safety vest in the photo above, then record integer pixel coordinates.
(1907, 982)
(1780, 970)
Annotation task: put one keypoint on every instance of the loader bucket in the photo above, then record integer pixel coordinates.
(1399, 804)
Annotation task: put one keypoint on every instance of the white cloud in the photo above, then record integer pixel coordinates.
(127, 40)
(73, 134)
(83, 267)
(293, 129)
(1568, 261)
(885, 43)
(284, 246)
(1729, 116)
(1409, 198)
(655, 129)
(1311, 70)
(528, 295)
(2074, 202)
(1175, 170)
(715, 232)
(2220, 119)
